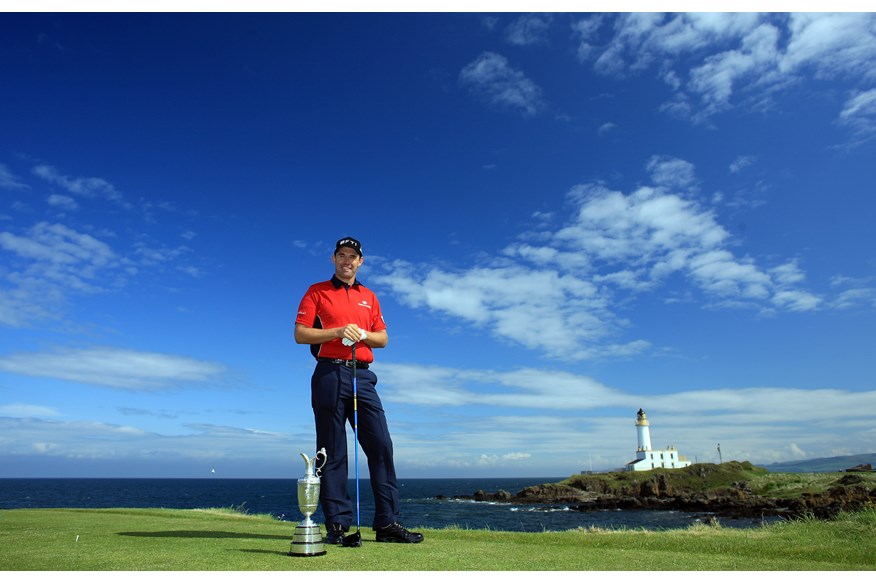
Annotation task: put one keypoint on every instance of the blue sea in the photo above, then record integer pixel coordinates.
(425, 503)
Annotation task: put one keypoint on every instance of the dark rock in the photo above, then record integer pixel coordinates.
(660, 491)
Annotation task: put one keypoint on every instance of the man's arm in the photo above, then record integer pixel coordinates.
(306, 335)
(377, 340)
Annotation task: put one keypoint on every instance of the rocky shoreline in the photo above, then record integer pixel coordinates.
(849, 493)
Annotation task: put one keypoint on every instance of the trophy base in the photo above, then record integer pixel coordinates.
(307, 541)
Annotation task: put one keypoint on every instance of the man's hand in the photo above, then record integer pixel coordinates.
(352, 334)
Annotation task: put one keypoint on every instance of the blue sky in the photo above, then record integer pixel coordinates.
(567, 217)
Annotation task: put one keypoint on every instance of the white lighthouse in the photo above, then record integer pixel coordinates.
(643, 432)
(646, 458)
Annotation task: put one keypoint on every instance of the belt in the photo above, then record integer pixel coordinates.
(344, 362)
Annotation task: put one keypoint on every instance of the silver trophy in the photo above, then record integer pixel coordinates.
(307, 540)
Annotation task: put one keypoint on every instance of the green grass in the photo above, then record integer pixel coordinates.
(216, 539)
(717, 479)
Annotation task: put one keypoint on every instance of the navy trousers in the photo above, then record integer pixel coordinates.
(332, 401)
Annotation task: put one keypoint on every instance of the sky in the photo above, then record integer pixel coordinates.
(566, 217)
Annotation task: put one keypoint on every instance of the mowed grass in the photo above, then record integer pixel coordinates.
(212, 539)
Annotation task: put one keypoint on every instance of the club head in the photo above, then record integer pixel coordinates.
(353, 540)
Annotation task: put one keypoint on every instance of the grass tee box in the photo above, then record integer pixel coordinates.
(211, 539)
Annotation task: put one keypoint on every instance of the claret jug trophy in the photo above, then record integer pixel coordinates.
(307, 540)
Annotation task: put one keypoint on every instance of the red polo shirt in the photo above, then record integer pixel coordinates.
(335, 304)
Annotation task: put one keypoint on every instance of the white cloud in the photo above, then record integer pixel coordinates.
(716, 61)
(46, 265)
(564, 282)
(641, 39)
(714, 82)
(165, 454)
(27, 411)
(528, 29)
(606, 128)
(671, 172)
(152, 256)
(63, 202)
(568, 312)
(536, 418)
(115, 368)
(648, 226)
(586, 31)
(740, 163)
(491, 78)
(832, 44)
(478, 416)
(788, 273)
(86, 186)
(9, 181)
(859, 115)
(719, 272)
(49, 264)
(59, 245)
(431, 386)
(796, 300)
(855, 298)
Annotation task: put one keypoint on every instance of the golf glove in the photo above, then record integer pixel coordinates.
(348, 343)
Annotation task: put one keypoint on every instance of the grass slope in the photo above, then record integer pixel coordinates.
(186, 540)
(716, 479)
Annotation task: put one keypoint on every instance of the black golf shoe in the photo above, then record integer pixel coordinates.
(334, 534)
(396, 533)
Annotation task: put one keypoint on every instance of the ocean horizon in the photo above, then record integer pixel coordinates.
(425, 503)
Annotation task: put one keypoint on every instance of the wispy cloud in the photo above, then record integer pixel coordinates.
(716, 61)
(431, 386)
(853, 293)
(491, 78)
(497, 418)
(19, 410)
(158, 454)
(63, 202)
(529, 29)
(741, 163)
(748, 421)
(48, 262)
(607, 128)
(859, 115)
(64, 252)
(9, 181)
(115, 368)
(84, 186)
(47, 266)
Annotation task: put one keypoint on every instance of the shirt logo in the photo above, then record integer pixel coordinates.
(365, 304)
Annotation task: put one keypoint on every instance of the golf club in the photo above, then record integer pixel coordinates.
(355, 539)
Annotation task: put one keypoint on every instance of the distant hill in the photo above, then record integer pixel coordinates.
(832, 464)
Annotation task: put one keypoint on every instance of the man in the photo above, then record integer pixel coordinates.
(334, 315)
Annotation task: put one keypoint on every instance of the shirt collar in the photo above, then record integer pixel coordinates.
(337, 283)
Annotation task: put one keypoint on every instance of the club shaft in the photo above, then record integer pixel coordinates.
(356, 436)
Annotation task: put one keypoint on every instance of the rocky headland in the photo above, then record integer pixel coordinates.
(734, 489)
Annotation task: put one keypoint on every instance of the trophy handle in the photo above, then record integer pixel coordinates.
(324, 460)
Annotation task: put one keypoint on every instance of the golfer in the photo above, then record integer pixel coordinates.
(331, 317)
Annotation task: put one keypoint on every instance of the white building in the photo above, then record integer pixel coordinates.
(646, 459)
